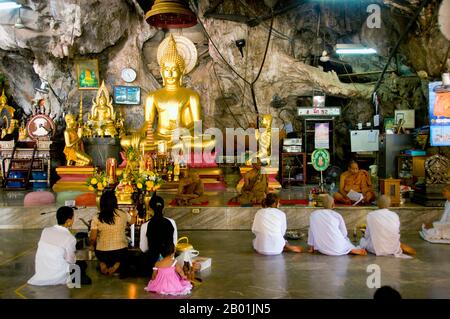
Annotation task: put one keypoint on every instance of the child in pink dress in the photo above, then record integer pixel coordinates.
(168, 277)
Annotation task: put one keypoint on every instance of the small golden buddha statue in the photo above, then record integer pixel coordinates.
(124, 190)
(175, 106)
(74, 149)
(4, 104)
(102, 115)
(23, 134)
(264, 142)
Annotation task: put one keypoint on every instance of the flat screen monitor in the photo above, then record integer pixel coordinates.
(439, 114)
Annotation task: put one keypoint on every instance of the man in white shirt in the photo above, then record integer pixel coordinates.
(328, 233)
(56, 253)
(382, 236)
(269, 227)
(440, 230)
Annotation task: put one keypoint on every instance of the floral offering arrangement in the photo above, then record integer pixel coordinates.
(97, 182)
(147, 181)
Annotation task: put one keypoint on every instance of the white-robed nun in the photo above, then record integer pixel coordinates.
(328, 233)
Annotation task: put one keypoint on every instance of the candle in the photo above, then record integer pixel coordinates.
(132, 235)
(80, 116)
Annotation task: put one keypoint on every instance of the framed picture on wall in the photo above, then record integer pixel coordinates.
(87, 74)
(407, 116)
(129, 95)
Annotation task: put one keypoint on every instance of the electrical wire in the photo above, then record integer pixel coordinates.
(233, 70)
(400, 40)
(223, 96)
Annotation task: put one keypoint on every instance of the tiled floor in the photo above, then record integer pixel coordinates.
(238, 272)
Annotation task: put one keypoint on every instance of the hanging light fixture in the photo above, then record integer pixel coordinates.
(6, 5)
(171, 14)
(354, 49)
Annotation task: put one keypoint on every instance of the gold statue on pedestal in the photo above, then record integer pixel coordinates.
(125, 189)
(175, 106)
(264, 142)
(102, 116)
(4, 104)
(9, 124)
(74, 149)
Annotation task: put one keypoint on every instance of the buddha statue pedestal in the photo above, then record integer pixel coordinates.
(102, 148)
(271, 171)
(73, 178)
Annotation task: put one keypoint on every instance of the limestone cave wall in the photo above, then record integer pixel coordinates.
(58, 32)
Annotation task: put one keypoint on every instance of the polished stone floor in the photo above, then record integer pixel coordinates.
(238, 272)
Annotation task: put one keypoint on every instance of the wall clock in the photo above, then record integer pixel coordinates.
(128, 75)
(41, 126)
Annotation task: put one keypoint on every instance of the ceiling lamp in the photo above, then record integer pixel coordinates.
(19, 24)
(354, 49)
(171, 14)
(5, 5)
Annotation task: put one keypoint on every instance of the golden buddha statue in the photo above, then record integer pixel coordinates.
(12, 122)
(102, 116)
(125, 189)
(4, 104)
(23, 134)
(175, 106)
(264, 142)
(74, 149)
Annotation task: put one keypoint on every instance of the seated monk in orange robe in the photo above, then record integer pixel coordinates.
(191, 190)
(356, 180)
(256, 186)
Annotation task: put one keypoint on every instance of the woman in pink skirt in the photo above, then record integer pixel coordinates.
(168, 277)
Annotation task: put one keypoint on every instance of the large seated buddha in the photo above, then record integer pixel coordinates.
(174, 107)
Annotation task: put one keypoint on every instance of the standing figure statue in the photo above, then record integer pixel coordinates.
(264, 142)
(74, 149)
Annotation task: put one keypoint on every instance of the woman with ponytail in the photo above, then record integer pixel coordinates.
(155, 233)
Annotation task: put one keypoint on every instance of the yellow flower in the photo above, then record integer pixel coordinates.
(100, 186)
(139, 185)
(91, 188)
(149, 184)
(94, 181)
(104, 184)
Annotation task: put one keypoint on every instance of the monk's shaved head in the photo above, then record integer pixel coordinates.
(328, 201)
(384, 201)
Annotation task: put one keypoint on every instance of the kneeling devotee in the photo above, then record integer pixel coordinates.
(440, 229)
(256, 186)
(56, 253)
(356, 180)
(269, 227)
(382, 236)
(328, 233)
(191, 190)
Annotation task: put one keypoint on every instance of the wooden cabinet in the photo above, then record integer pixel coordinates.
(391, 188)
(293, 168)
(40, 172)
(410, 168)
